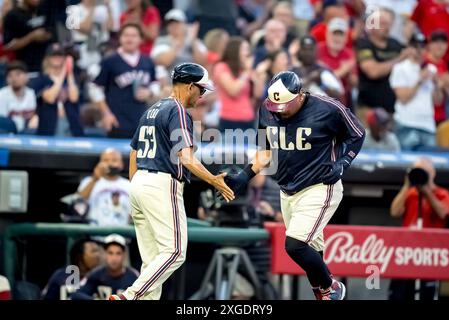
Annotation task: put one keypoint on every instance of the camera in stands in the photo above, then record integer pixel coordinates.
(418, 177)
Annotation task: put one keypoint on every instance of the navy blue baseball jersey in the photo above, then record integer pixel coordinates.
(164, 130)
(323, 130)
(99, 284)
(58, 288)
(120, 80)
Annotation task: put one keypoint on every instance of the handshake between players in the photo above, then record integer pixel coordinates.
(312, 138)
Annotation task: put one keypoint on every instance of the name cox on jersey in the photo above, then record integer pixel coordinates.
(277, 138)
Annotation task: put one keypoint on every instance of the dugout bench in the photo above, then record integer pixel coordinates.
(224, 264)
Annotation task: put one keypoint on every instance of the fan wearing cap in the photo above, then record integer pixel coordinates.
(334, 54)
(112, 278)
(315, 77)
(161, 162)
(310, 140)
(17, 101)
(181, 44)
(56, 89)
(378, 134)
(416, 90)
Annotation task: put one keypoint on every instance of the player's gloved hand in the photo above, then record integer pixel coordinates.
(239, 182)
(336, 171)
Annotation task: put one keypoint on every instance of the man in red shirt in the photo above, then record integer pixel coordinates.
(331, 11)
(334, 54)
(435, 213)
(431, 15)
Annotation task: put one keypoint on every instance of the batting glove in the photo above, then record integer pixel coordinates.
(336, 171)
(239, 182)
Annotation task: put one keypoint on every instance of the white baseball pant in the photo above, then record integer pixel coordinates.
(307, 212)
(161, 230)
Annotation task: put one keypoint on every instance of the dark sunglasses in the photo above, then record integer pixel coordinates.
(202, 90)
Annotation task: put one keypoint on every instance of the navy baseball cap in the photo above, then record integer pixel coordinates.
(438, 35)
(55, 49)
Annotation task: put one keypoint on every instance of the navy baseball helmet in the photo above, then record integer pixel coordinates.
(191, 73)
(282, 91)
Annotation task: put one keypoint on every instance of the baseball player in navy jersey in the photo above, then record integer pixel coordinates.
(313, 139)
(161, 161)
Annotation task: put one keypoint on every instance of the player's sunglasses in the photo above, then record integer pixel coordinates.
(202, 90)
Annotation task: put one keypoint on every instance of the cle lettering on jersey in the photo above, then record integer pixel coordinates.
(278, 140)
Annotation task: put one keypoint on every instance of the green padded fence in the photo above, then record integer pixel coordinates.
(198, 231)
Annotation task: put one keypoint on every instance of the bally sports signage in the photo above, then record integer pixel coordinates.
(353, 250)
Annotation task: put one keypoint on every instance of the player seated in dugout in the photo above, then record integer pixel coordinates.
(85, 255)
(112, 278)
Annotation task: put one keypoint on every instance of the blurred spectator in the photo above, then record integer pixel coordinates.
(333, 9)
(217, 14)
(17, 101)
(91, 118)
(233, 77)
(127, 82)
(181, 44)
(5, 289)
(334, 54)
(283, 12)
(252, 16)
(208, 108)
(436, 49)
(304, 14)
(275, 62)
(434, 214)
(24, 33)
(416, 92)
(431, 15)
(215, 41)
(146, 15)
(378, 137)
(265, 198)
(377, 53)
(96, 22)
(274, 38)
(402, 28)
(5, 55)
(112, 278)
(316, 78)
(57, 93)
(106, 192)
(85, 255)
(443, 134)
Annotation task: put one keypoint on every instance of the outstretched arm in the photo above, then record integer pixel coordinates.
(188, 160)
(239, 182)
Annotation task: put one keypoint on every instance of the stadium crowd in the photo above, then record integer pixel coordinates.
(74, 68)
